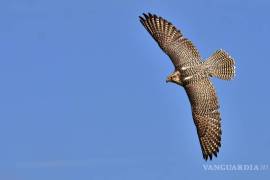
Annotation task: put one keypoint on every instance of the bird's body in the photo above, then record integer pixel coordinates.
(193, 74)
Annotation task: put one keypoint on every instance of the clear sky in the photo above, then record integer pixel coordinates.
(83, 92)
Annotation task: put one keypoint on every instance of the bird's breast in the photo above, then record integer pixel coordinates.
(191, 74)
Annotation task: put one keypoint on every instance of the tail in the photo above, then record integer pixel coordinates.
(220, 65)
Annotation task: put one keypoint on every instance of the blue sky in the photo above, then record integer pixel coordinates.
(83, 92)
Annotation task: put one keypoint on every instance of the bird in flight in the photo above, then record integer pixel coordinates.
(193, 75)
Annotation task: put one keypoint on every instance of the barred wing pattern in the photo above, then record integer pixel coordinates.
(180, 50)
(204, 104)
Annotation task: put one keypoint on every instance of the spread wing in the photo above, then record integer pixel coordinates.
(171, 41)
(206, 116)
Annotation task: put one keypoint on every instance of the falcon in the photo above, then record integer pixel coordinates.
(193, 75)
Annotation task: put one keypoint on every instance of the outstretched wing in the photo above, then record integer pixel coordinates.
(171, 41)
(206, 116)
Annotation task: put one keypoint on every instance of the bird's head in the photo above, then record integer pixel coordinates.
(174, 78)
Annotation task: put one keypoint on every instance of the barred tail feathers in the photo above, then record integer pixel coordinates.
(220, 65)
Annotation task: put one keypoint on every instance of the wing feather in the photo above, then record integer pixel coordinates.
(171, 41)
(206, 116)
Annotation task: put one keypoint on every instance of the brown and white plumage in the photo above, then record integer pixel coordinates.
(193, 74)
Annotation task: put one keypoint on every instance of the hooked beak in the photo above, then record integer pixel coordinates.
(168, 80)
